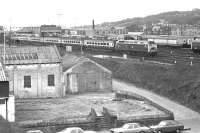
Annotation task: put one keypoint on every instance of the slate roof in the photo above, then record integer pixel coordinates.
(29, 30)
(30, 55)
(70, 60)
(50, 28)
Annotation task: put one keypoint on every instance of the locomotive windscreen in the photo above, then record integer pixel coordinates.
(4, 88)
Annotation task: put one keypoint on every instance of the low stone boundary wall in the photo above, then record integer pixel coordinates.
(85, 122)
(148, 119)
(91, 122)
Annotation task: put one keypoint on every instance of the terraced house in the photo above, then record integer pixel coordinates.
(34, 72)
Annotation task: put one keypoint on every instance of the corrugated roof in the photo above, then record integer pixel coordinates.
(2, 73)
(30, 55)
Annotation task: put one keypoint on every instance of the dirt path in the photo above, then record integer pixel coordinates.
(189, 117)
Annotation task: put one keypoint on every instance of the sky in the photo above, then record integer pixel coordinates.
(68, 13)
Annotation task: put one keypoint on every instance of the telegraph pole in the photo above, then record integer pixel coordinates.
(4, 46)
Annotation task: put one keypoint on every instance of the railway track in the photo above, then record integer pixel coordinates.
(165, 55)
(177, 55)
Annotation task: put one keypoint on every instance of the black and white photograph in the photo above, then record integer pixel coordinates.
(99, 66)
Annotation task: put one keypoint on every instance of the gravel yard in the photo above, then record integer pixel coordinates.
(79, 105)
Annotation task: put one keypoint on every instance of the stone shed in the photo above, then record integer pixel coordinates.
(33, 72)
(84, 75)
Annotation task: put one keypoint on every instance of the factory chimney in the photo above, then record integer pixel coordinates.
(93, 24)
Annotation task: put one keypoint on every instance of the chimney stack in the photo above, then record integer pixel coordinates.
(93, 24)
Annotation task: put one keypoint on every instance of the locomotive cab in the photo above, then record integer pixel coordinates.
(195, 45)
(152, 48)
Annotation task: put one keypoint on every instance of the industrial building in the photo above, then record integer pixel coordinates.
(33, 72)
(29, 31)
(84, 75)
(50, 30)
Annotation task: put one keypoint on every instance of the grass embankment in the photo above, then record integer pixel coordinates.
(177, 82)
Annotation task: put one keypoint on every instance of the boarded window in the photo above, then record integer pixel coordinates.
(27, 81)
(51, 80)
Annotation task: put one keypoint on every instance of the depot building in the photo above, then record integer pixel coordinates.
(33, 72)
(83, 75)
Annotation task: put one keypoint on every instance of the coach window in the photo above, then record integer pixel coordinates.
(27, 81)
(51, 81)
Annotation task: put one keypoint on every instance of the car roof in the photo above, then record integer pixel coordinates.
(34, 131)
(133, 123)
(170, 121)
(73, 128)
(70, 128)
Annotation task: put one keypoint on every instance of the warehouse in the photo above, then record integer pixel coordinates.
(50, 30)
(84, 75)
(34, 72)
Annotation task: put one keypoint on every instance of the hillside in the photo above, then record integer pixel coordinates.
(180, 83)
(173, 17)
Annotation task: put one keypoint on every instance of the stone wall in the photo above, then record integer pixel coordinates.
(107, 120)
(146, 120)
(39, 80)
(87, 77)
(7, 108)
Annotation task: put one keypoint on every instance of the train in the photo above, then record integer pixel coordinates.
(195, 44)
(124, 46)
(173, 42)
(185, 42)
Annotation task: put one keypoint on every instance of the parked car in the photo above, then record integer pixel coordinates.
(75, 130)
(34, 131)
(131, 128)
(168, 126)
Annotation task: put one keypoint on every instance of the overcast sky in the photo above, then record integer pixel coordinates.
(80, 12)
